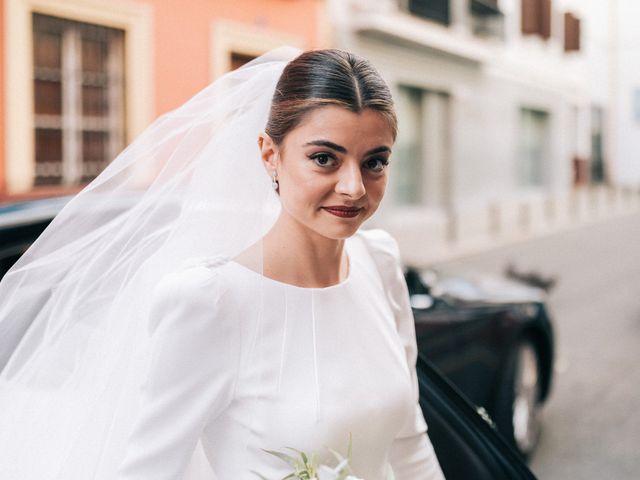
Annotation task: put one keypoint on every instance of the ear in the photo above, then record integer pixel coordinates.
(269, 153)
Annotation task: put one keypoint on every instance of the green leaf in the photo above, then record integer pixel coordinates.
(300, 452)
(336, 454)
(282, 456)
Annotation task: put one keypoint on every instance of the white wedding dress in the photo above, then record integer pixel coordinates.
(320, 364)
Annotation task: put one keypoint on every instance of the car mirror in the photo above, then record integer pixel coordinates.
(421, 301)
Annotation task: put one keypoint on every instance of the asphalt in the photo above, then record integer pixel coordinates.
(591, 424)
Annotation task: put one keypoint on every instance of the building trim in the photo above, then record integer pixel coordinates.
(404, 29)
(230, 36)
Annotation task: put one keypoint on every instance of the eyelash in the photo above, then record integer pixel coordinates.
(383, 161)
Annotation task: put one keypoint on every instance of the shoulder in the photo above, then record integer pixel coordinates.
(381, 245)
(190, 277)
(385, 254)
(188, 291)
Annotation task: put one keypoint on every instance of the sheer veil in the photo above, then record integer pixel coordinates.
(73, 310)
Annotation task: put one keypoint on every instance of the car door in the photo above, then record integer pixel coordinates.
(466, 444)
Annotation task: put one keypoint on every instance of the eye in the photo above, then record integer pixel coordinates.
(377, 164)
(323, 159)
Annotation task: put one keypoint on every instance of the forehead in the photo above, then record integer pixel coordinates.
(343, 127)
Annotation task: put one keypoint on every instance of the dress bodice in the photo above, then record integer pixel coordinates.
(244, 363)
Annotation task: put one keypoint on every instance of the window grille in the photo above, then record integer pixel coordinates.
(78, 99)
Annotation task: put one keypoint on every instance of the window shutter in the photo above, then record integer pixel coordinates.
(78, 99)
(571, 33)
(545, 19)
(530, 17)
(536, 18)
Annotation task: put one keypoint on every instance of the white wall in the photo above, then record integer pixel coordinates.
(487, 81)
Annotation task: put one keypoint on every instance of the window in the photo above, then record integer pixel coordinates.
(436, 10)
(597, 145)
(79, 99)
(485, 7)
(421, 175)
(239, 59)
(407, 171)
(534, 147)
(486, 19)
(536, 18)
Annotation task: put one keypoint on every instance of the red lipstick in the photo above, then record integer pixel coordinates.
(342, 211)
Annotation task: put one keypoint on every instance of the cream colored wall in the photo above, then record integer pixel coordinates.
(229, 36)
(131, 16)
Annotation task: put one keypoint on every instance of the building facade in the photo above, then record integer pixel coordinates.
(498, 132)
(81, 78)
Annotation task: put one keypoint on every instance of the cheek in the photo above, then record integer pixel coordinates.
(303, 189)
(297, 172)
(376, 188)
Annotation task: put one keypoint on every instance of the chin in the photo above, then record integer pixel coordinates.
(339, 232)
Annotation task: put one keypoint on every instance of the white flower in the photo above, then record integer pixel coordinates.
(327, 473)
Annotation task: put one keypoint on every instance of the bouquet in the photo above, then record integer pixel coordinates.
(305, 466)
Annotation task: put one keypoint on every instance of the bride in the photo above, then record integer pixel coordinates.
(188, 314)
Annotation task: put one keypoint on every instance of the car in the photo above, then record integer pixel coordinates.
(21, 223)
(466, 442)
(493, 339)
(464, 436)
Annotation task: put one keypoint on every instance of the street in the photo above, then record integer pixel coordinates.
(591, 424)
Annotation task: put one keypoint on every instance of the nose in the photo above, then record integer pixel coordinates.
(350, 181)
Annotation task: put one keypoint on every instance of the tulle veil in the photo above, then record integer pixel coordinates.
(73, 309)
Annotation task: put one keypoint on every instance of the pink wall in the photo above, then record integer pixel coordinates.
(181, 57)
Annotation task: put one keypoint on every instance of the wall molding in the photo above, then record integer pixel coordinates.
(230, 36)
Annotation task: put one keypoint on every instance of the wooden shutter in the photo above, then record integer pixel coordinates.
(545, 18)
(571, 33)
(536, 18)
(530, 17)
(78, 99)
(47, 87)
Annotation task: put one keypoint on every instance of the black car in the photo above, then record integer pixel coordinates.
(21, 223)
(465, 440)
(493, 339)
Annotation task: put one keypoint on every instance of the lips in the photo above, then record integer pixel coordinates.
(342, 211)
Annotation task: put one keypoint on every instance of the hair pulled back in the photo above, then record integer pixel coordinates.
(318, 78)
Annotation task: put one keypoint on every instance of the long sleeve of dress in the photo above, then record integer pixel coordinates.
(412, 455)
(195, 358)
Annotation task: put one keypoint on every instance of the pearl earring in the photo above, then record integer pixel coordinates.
(274, 180)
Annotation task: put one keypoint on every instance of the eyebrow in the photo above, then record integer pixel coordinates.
(341, 149)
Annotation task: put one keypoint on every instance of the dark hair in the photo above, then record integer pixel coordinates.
(318, 78)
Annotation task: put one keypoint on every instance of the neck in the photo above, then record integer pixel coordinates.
(299, 256)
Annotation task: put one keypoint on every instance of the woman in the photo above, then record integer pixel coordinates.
(286, 326)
